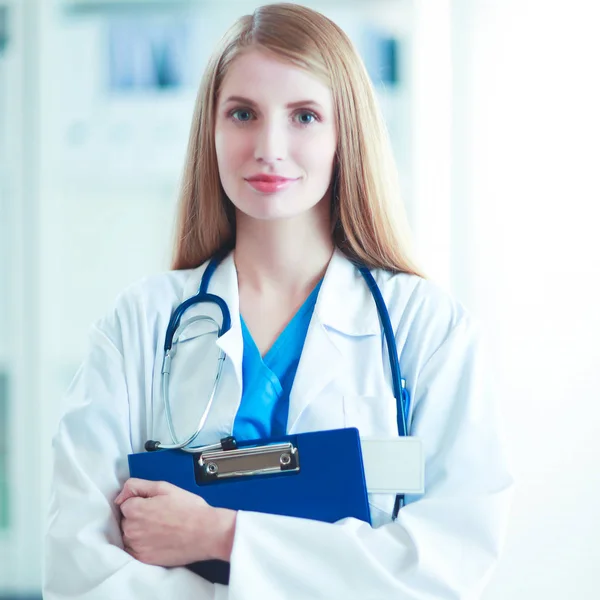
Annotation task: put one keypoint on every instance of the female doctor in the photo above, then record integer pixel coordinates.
(288, 172)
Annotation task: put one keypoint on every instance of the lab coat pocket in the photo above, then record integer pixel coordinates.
(373, 416)
(327, 413)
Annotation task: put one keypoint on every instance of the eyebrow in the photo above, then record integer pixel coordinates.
(249, 102)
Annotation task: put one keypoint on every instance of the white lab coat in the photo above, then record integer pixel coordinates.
(444, 544)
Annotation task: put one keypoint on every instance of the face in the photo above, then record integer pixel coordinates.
(275, 137)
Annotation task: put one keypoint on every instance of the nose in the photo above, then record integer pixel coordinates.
(271, 142)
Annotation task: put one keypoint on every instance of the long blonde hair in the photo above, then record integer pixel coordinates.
(368, 218)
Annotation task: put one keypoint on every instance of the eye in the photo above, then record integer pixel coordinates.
(306, 117)
(241, 114)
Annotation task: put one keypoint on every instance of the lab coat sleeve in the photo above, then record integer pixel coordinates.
(444, 544)
(84, 556)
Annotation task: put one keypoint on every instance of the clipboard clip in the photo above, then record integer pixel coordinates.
(251, 461)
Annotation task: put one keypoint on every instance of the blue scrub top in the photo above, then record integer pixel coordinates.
(267, 382)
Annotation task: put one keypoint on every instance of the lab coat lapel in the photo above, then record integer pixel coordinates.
(344, 306)
(226, 403)
(224, 284)
(320, 363)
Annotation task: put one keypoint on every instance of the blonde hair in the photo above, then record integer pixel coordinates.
(368, 219)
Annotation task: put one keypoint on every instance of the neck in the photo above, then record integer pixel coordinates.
(288, 256)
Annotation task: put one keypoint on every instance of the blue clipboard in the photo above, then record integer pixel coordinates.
(323, 479)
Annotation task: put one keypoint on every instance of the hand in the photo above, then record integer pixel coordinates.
(167, 526)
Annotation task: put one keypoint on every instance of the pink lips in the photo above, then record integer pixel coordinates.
(269, 184)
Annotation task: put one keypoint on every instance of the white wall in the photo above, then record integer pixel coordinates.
(527, 260)
(19, 545)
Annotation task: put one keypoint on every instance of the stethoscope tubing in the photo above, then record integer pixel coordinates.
(388, 332)
(166, 372)
(171, 334)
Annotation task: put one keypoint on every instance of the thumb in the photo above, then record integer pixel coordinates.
(141, 488)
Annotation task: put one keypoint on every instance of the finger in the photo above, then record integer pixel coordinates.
(123, 494)
(121, 497)
(129, 549)
(133, 507)
(131, 531)
(139, 487)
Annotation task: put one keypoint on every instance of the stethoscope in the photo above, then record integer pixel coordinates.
(175, 326)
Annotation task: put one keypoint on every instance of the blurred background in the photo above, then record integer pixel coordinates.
(492, 108)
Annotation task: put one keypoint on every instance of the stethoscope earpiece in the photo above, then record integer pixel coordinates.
(152, 445)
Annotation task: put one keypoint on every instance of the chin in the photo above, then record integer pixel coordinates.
(270, 208)
(271, 215)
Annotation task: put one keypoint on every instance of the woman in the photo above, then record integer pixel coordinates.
(288, 173)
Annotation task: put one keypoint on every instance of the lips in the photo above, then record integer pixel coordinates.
(269, 184)
(268, 178)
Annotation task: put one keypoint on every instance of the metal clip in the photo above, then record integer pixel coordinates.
(258, 460)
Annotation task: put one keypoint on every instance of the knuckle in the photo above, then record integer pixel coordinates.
(139, 554)
(126, 509)
(132, 508)
(135, 506)
(163, 487)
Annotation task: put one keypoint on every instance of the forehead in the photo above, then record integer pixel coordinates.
(266, 78)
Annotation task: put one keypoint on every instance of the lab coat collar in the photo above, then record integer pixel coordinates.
(224, 284)
(345, 303)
